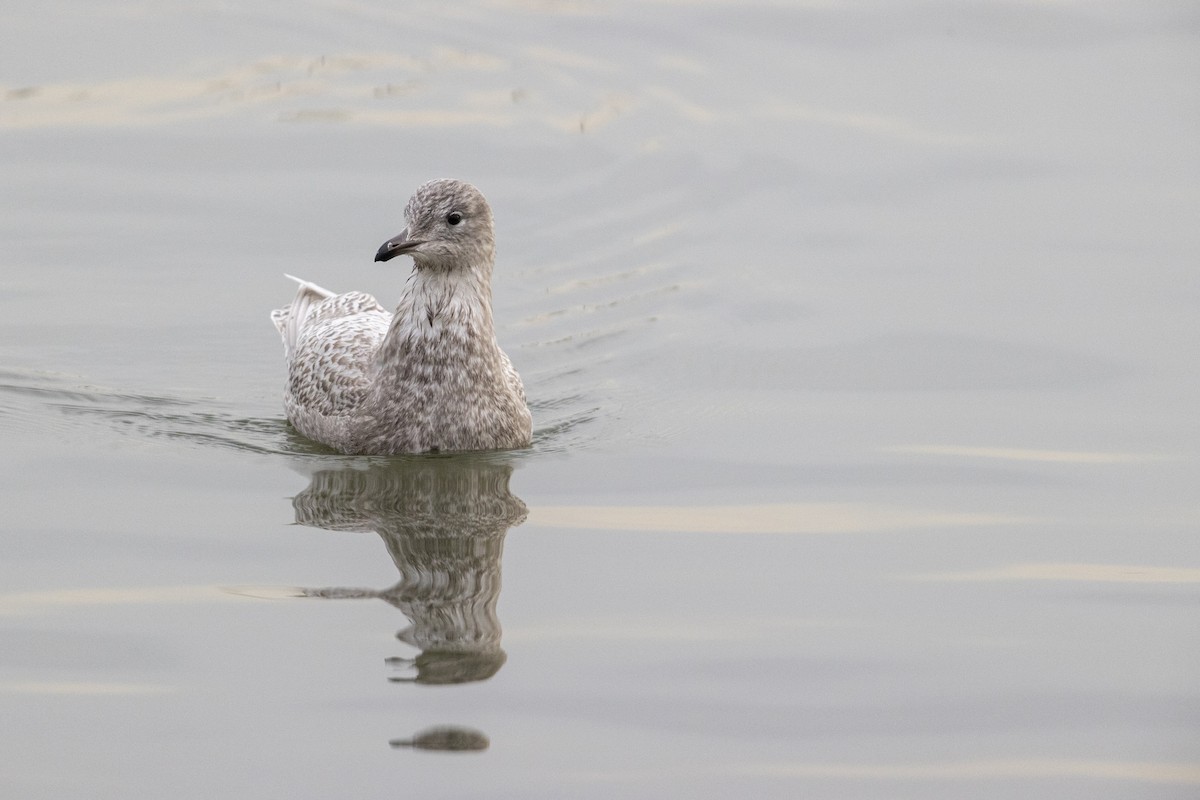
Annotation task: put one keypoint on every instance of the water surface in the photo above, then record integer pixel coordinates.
(861, 343)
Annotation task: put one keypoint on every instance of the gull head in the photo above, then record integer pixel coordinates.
(449, 227)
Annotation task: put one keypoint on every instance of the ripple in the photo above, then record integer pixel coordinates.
(63, 405)
(68, 408)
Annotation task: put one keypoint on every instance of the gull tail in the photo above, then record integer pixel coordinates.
(288, 321)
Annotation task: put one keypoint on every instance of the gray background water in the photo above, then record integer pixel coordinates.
(862, 345)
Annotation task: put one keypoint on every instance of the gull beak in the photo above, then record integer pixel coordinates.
(396, 246)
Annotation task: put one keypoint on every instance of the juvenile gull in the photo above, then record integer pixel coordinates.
(429, 378)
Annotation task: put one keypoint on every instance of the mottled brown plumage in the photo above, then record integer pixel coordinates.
(429, 378)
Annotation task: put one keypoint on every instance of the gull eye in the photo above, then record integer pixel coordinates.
(454, 218)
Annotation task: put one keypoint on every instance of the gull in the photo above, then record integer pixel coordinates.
(429, 378)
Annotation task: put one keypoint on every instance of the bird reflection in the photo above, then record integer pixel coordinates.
(443, 521)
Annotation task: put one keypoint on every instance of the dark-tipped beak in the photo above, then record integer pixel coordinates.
(396, 246)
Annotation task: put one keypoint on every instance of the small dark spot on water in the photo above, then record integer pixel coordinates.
(447, 739)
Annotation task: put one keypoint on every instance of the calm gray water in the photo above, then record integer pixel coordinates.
(861, 340)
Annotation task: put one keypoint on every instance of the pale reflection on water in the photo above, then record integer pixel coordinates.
(443, 521)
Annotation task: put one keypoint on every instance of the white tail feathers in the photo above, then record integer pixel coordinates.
(288, 321)
(312, 287)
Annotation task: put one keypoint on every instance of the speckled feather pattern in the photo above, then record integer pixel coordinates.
(431, 377)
